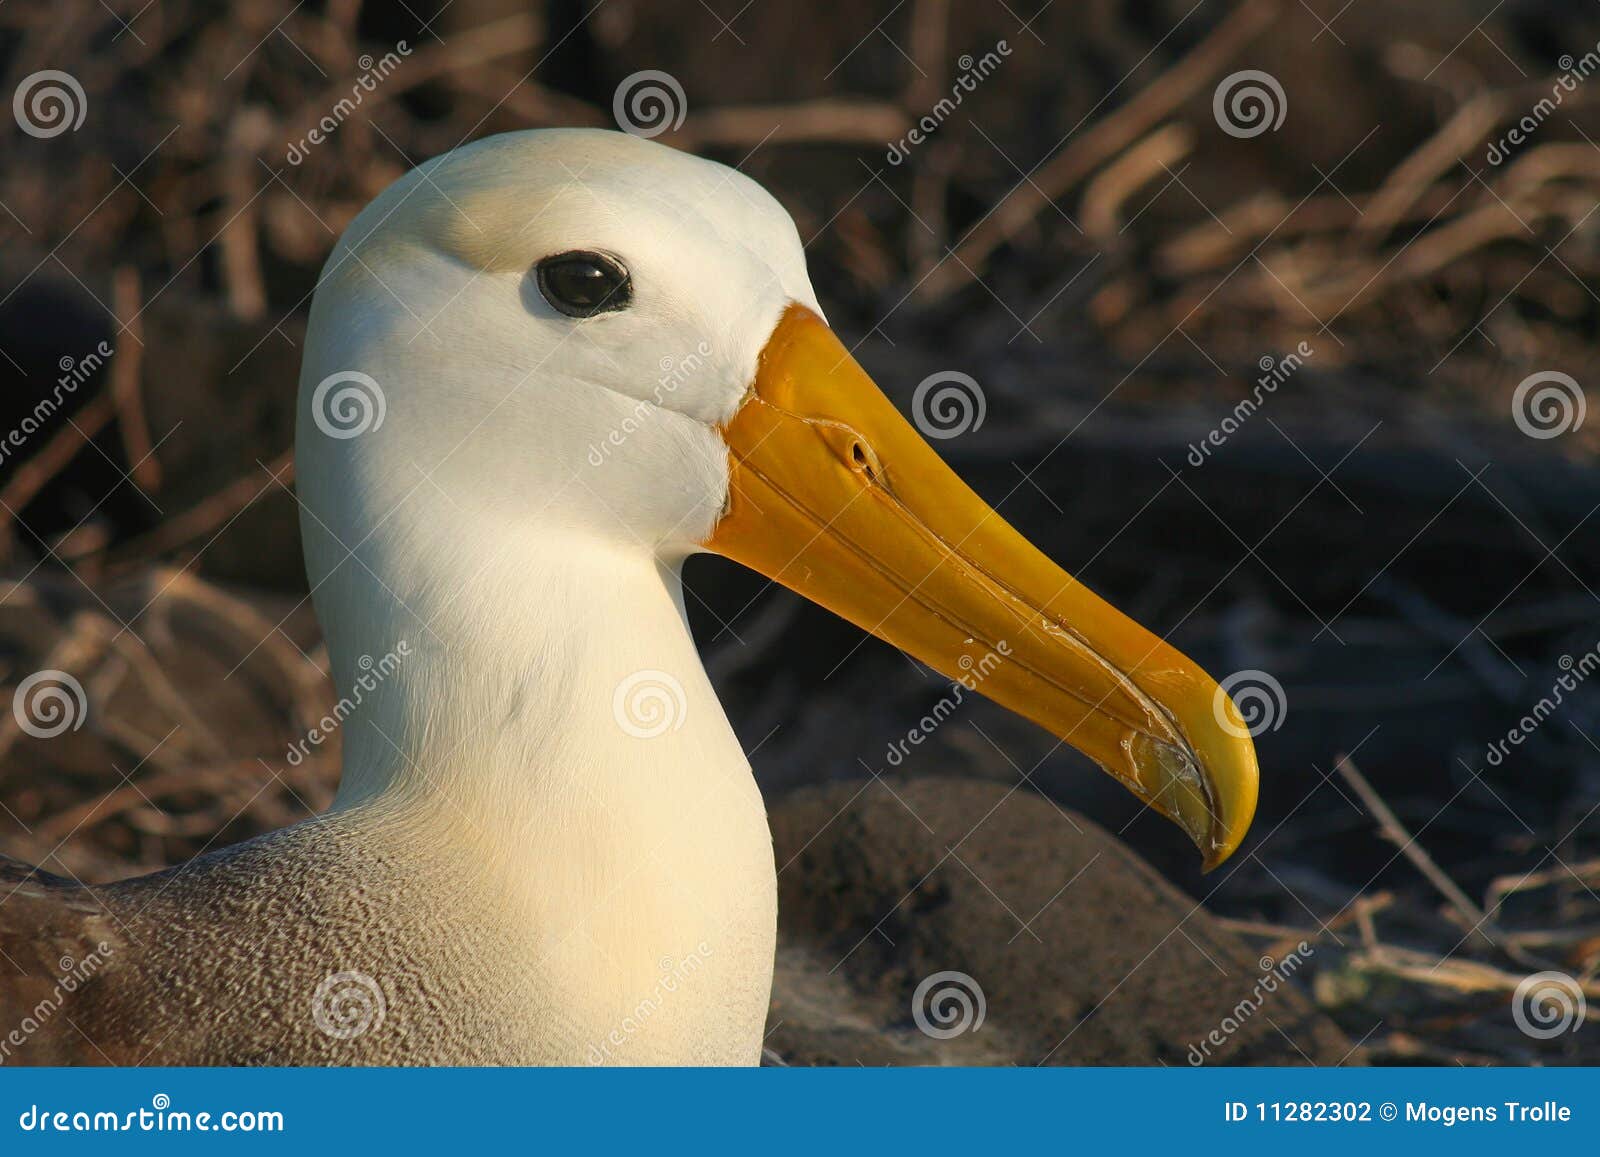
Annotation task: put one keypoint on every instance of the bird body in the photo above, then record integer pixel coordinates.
(349, 940)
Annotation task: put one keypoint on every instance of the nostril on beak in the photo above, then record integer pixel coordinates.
(851, 448)
(864, 460)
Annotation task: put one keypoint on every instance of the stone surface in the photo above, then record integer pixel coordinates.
(1082, 953)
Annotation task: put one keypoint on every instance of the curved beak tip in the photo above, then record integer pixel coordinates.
(1234, 779)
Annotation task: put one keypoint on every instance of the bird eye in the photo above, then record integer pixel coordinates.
(582, 284)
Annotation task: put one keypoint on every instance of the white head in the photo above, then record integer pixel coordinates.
(470, 420)
(536, 420)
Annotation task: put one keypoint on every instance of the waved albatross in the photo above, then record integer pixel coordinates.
(540, 371)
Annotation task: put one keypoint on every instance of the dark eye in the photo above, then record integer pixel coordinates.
(581, 284)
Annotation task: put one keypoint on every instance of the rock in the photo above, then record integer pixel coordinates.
(1074, 950)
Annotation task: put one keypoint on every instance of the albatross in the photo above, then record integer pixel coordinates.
(540, 371)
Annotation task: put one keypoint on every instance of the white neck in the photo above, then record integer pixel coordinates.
(494, 746)
(492, 691)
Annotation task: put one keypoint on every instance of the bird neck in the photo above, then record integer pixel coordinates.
(543, 685)
(548, 746)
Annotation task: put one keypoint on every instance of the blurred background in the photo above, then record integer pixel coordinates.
(1271, 321)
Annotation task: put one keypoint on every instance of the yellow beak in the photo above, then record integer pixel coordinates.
(837, 497)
